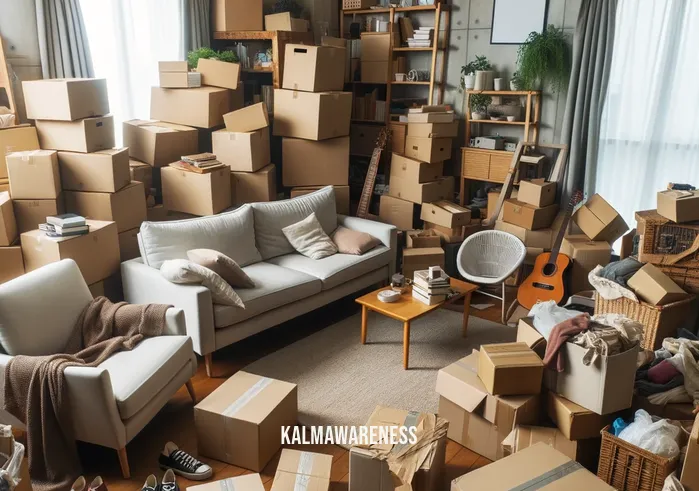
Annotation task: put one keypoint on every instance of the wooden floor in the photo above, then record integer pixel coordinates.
(175, 421)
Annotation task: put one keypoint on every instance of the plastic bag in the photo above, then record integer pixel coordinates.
(659, 437)
(548, 314)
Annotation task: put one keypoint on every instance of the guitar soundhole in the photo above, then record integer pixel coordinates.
(549, 269)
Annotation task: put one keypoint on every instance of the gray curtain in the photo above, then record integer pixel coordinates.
(587, 90)
(63, 45)
(196, 24)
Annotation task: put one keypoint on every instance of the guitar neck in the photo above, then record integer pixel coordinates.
(369, 182)
(561, 233)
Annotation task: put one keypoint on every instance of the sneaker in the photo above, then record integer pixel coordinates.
(183, 464)
(98, 484)
(169, 482)
(151, 484)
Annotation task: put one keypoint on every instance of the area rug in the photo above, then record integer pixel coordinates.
(340, 381)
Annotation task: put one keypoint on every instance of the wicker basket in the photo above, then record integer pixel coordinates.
(664, 242)
(627, 467)
(659, 322)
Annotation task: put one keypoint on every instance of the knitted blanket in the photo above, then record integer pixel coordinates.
(35, 388)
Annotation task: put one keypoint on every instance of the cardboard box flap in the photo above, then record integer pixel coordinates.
(680, 195)
(460, 384)
(305, 463)
(511, 355)
(159, 126)
(249, 482)
(526, 436)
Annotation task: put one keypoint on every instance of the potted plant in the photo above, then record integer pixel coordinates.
(210, 54)
(479, 106)
(470, 71)
(544, 59)
(515, 82)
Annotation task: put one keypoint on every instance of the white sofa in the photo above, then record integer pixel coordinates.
(288, 284)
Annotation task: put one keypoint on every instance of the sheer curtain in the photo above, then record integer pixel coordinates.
(127, 39)
(650, 124)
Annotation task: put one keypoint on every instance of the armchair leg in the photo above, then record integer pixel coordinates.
(124, 463)
(190, 389)
(208, 363)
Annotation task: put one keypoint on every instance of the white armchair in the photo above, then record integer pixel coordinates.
(113, 402)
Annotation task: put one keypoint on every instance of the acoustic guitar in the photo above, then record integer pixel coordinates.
(546, 282)
(370, 180)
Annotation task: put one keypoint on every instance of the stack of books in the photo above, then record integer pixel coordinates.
(422, 38)
(66, 225)
(201, 163)
(431, 291)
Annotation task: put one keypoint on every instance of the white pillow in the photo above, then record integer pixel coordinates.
(308, 238)
(182, 271)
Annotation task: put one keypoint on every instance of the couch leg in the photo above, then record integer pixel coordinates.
(124, 463)
(208, 363)
(190, 389)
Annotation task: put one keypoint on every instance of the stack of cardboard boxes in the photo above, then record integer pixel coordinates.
(11, 263)
(376, 56)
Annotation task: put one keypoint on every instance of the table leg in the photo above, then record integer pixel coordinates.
(365, 311)
(406, 344)
(467, 310)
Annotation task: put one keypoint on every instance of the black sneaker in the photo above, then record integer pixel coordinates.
(169, 482)
(151, 484)
(183, 464)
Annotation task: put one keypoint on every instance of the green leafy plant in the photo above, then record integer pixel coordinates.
(516, 81)
(544, 59)
(481, 63)
(210, 54)
(479, 103)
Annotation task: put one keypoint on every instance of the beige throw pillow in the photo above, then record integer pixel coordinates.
(350, 241)
(182, 271)
(308, 238)
(222, 265)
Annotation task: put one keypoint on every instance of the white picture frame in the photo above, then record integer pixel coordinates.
(513, 20)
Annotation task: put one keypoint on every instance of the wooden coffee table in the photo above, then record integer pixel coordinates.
(407, 309)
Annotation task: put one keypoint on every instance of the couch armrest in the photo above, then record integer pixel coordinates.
(387, 234)
(175, 324)
(144, 284)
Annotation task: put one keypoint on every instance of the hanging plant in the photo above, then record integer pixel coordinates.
(210, 54)
(544, 59)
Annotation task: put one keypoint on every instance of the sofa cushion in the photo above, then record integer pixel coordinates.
(272, 217)
(275, 286)
(138, 375)
(231, 233)
(337, 269)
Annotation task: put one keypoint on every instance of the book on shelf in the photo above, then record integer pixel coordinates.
(429, 299)
(66, 220)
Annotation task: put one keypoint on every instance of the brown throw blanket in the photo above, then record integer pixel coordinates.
(560, 334)
(35, 389)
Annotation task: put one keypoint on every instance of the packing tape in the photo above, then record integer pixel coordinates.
(303, 472)
(466, 366)
(295, 94)
(247, 396)
(27, 155)
(410, 421)
(227, 484)
(548, 477)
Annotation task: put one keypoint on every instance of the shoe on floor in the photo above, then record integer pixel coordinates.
(97, 484)
(151, 484)
(169, 482)
(79, 484)
(183, 464)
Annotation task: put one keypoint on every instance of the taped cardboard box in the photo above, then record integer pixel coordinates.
(586, 255)
(16, 139)
(314, 163)
(537, 192)
(201, 107)
(65, 99)
(574, 421)
(106, 171)
(85, 135)
(421, 258)
(312, 116)
(30, 213)
(422, 238)
(527, 216)
(243, 152)
(250, 118)
(141, 172)
(196, 194)
(254, 187)
(442, 189)
(434, 130)
(11, 263)
(363, 138)
(655, 287)
(240, 422)
(314, 68)
(599, 221)
(396, 211)
(374, 72)
(96, 253)
(679, 206)
(128, 245)
(179, 80)
(430, 150)
(690, 470)
(248, 482)
(126, 207)
(342, 196)
(446, 214)
(285, 22)
(310, 469)
(414, 171)
(34, 174)
(218, 73)
(8, 224)
(399, 132)
(157, 143)
(510, 369)
(237, 15)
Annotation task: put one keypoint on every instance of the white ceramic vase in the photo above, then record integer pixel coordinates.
(469, 82)
(499, 83)
(477, 116)
(513, 87)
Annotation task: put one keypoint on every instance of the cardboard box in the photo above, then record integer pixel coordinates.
(97, 289)
(363, 138)
(434, 130)
(34, 174)
(173, 66)
(179, 80)
(446, 214)
(586, 255)
(414, 171)
(542, 239)
(312, 469)
(250, 118)
(285, 22)
(442, 189)
(399, 132)
(128, 245)
(585, 452)
(85, 135)
(157, 143)
(314, 68)
(197, 194)
(342, 196)
(574, 421)
(431, 150)
(599, 221)
(157, 213)
(398, 212)
(447, 235)
(30, 213)
(312, 116)
(245, 152)
(655, 287)
(254, 187)
(510, 369)
(527, 334)
(11, 263)
(248, 482)
(315, 163)
(537, 192)
(240, 422)
(237, 15)
(97, 253)
(8, 224)
(477, 420)
(422, 258)
(65, 99)
(528, 216)
(679, 206)
(374, 72)
(690, 471)
(138, 171)
(16, 139)
(676, 411)
(201, 107)
(422, 238)
(106, 171)
(126, 207)
(216, 73)
(376, 46)
(431, 117)
(4, 185)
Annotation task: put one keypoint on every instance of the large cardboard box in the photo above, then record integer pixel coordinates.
(254, 187)
(128, 245)
(85, 135)
(16, 139)
(584, 451)
(342, 196)
(414, 171)
(314, 163)
(586, 255)
(374, 72)
(250, 118)
(34, 174)
(477, 420)
(422, 238)
(574, 421)
(158, 143)
(510, 369)
(244, 152)
(237, 15)
(96, 253)
(179, 80)
(442, 189)
(655, 287)
(446, 214)
(312, 116)
(240, 422)
(248, 482)
(30, 213)
(285, 22)
(599, 221)
(434, 130)
(311, 469)
(396, 211)
(540, 239)
(201, 107)
(431, 150)
(217, 73)
(8, 224)
(141, 172)
(11, 263)
(537, 192)
(690, 471)
(314, 68)
(399, 132)
(422, 258)
(376, 46)
(450, 235)
(528, 216)
(363, 138)
(106, 171)
(65, 99)
(679, 206)
(126, 207)
(197, 194)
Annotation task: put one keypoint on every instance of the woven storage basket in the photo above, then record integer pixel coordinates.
(627, 467)
(659, 322)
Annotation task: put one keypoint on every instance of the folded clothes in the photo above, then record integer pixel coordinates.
(663, 372)
(560, 334)
(621, 271)
(609, 289)
(678, 395)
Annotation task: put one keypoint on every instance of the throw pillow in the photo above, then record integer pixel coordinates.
(222, 265)
(181, 271)
(350, 241)
(308, 238)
